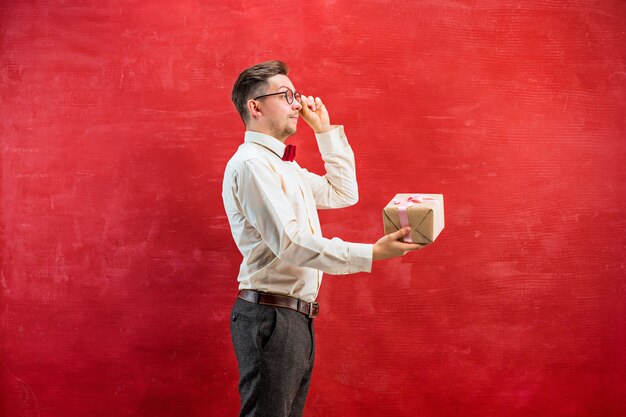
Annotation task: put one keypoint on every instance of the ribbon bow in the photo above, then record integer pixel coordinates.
(403, 204)
(290, 153)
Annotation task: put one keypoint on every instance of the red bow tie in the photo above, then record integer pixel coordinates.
(290, 153)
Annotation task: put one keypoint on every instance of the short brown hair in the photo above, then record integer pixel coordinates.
(252, 82)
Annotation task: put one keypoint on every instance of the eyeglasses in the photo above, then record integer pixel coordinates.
(289, 95)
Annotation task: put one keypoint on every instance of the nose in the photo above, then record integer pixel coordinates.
(296, 105)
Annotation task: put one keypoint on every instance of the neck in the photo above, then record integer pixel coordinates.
(267, 131)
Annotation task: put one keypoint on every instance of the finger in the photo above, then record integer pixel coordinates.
(305, 106)
(308, 103)
(312, 103)
(399, 233)
(416, 247)
(408, 247)
(318, 102)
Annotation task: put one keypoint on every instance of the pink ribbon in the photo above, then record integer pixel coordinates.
(403, 204)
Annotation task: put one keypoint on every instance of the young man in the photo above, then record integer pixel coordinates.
(271, 204)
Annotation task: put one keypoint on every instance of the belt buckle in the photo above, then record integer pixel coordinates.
(314, 309)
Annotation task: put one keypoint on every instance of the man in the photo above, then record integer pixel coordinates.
(271, 204)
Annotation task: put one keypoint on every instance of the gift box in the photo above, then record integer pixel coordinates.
(422, 212)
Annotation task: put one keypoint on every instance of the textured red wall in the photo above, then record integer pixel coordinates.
(118, 268)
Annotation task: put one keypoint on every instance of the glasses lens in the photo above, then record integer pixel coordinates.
(289, 96)
(297, 97)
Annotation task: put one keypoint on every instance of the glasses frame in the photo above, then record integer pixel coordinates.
(294, 95)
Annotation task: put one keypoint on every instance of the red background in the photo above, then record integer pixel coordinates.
(119, 270)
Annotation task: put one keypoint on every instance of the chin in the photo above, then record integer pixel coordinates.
(289, 131)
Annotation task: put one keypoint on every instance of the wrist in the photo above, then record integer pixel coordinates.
(323, 129)
(375, 256)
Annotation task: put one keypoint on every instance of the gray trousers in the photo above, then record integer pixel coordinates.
(275, 349)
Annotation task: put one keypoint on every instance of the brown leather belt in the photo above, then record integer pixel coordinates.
(277, 300)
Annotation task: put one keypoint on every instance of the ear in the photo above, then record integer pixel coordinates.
(253, 109)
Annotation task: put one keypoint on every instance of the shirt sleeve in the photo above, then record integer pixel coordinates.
(268, 210)
(338, 187)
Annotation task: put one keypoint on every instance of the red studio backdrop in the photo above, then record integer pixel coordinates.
(118, 269)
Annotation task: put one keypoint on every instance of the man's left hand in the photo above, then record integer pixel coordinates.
(315, 114)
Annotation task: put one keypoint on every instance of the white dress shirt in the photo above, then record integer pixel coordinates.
(272, 205)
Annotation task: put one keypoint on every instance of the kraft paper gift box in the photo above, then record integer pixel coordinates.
(423, 212)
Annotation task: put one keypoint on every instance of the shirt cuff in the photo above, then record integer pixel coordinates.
(332, 141)
(360, 257)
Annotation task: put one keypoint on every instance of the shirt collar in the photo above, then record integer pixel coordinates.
(266, 141)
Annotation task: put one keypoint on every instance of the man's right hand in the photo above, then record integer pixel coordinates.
(389, 247)
(314, 112)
